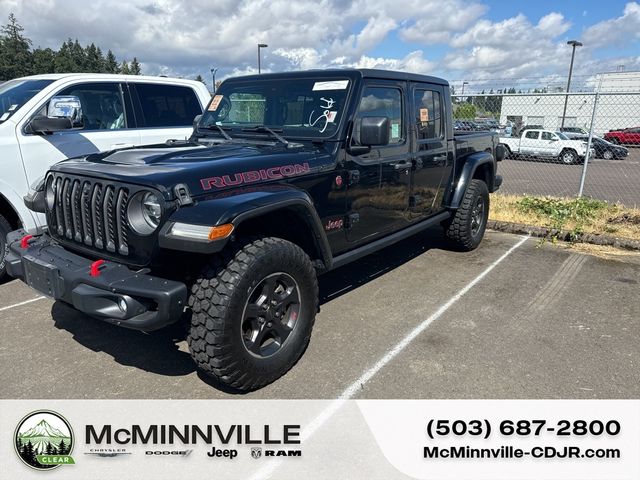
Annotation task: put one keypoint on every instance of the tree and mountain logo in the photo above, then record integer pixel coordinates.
(44, 440)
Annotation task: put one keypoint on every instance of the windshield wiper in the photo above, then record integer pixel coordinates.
(215, 126)
(273, 133)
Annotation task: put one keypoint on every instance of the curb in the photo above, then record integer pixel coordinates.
(543, 232)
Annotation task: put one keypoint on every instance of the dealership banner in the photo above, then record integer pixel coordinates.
(320, 439)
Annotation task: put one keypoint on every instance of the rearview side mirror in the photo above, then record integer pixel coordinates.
(374, 131)
(63, 113)
(196, 121)
(66, 106)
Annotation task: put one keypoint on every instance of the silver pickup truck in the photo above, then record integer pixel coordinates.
(546, 144)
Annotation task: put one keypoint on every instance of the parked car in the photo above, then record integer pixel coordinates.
(627, 136)
(604, 149)
(286, 176)
(578, 130)
(48, 118)
(546, 144)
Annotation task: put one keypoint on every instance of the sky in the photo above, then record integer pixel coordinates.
(483, 42)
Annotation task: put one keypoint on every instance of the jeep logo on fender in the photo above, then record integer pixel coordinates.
(273, 173)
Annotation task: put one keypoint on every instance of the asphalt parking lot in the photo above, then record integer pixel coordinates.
(509, 320)
(611, 180)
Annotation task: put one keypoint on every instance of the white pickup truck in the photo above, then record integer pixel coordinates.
(48, 118)
(546, 144)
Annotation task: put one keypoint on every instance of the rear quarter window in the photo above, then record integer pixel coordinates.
(166, 105)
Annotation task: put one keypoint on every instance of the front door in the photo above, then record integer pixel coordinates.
(432, 162)
(379, 181)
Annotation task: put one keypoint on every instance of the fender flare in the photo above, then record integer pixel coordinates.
(471, 164)
(239, 206)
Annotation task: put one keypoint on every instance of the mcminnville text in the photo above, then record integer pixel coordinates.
(191, 434)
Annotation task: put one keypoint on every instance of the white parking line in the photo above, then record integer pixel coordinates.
(358, 385)
(2, 309)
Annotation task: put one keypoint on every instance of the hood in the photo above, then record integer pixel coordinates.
(203, 169)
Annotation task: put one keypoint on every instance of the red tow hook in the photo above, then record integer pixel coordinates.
(94, 271)
(24, 242)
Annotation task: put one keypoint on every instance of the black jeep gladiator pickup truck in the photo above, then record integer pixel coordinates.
(285, 176)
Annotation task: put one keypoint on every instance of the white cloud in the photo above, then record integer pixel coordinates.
(615, 31)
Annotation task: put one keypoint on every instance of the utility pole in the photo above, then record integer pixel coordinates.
(260, 45)
(213, 80)
(463, 84)
(574, 44)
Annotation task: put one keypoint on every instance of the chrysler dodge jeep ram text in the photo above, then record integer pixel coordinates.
(285, 176)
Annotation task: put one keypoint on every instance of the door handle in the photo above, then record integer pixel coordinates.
(439, 158)
(402, 165)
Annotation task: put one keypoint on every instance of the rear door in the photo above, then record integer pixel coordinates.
(529, 142)
(164, 111)
(432, 163)
(378, 191)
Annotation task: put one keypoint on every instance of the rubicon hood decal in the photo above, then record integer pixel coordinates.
(252, 176)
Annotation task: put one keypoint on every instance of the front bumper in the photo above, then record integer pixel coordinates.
(117, 295)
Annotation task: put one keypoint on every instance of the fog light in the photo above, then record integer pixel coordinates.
(122, 304)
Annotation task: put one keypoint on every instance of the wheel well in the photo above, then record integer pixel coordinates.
(290, 224)
(7, 211)
(565, 149)
(484, 172)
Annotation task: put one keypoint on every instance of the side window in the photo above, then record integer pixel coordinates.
(102, 105)
(532, 134)
(383, 102)
(167, 105)
(428, 114)
(547, 136)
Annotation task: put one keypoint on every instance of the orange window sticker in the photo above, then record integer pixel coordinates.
(424, 114)
(213, 106)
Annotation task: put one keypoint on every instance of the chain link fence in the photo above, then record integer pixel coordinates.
(562, 144)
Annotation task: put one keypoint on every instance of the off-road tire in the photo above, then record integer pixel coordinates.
(458, 229)
(217, 302)
(5, 228)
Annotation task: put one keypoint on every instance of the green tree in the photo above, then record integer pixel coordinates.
(124, 68)
(15, 53)
(200, 79)
(465, 111)
(111, 64)
(135, 69)
(43, 61)
(94, 60)
(65, 61)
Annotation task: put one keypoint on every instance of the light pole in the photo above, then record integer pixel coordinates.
(574, 44)
(463, 84)
(260, 45)
(213, 80)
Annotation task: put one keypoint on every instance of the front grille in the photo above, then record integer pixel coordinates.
(90, 212)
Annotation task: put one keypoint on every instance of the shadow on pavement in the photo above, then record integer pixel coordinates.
(159, 352)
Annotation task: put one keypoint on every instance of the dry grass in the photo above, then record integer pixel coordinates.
(608, 219)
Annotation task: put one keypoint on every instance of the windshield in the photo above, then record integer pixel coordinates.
(15, 93)
(562, 136)
(307, 108)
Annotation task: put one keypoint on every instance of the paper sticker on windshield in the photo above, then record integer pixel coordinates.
(4, 116)
(12, 107)
(332, 85)
(213, 106)
(424, 114)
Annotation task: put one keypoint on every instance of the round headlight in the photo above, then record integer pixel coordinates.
(50, 193)
(151, 210)
(144, 212)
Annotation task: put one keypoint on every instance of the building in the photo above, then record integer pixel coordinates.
(618, 105)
